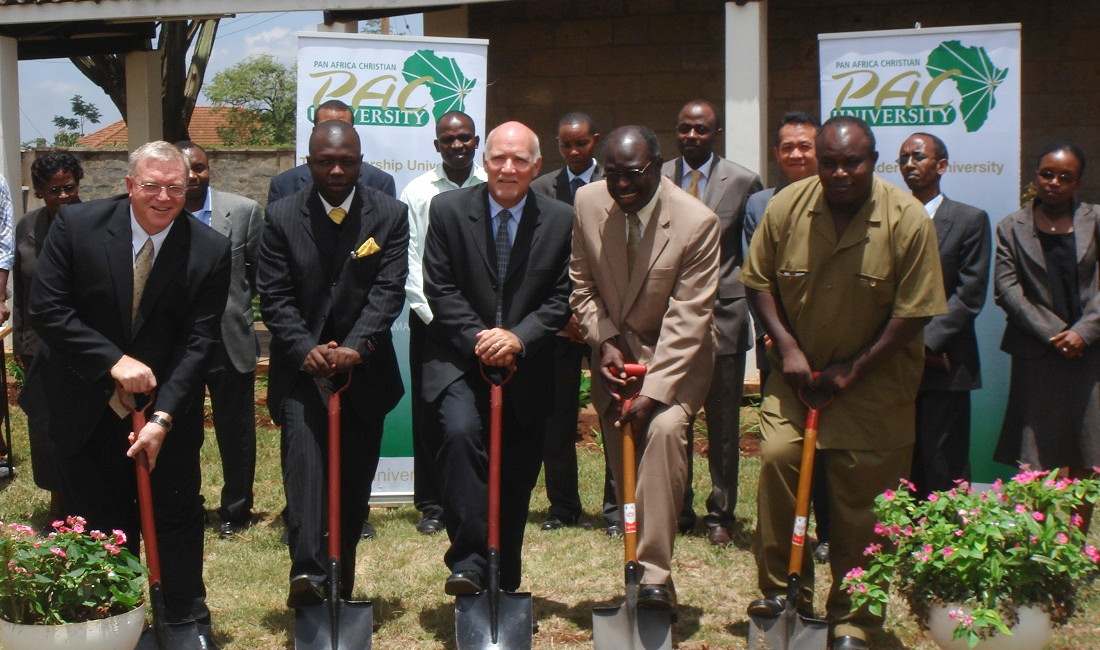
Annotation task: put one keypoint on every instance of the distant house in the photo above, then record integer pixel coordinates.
(205, 121)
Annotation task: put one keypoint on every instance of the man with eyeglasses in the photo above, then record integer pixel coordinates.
(128, 292)
(941, 454)
(231, 374)
(645, 271)
(724, 187)
(844, 274)
(495, 274)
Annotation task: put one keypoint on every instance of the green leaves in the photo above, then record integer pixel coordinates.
(260, 96)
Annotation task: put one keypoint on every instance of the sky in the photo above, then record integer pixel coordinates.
(47, 86)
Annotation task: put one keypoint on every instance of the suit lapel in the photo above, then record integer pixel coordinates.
(1024, 228)
(356, 226)
(478, 222)
(716, 183)
(219, 216)
(119, 245)
(561, 185)
(173, 253)
(654, 240)
(945, 218)
(527, 236)
(1084, 222)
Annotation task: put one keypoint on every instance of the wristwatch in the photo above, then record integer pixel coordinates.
(162, 421)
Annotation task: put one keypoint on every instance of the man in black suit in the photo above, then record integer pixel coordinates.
(129, 291)
(332, 281)
(941, 454)
(286, 183)
(496, 279)
(577, 141)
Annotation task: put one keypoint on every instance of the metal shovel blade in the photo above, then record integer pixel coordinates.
(474, 625)
(177, 636)
(313, 627)
(788, 631)
(628, 628)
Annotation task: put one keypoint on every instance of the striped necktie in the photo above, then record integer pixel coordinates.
(143, 264)
(503, 250)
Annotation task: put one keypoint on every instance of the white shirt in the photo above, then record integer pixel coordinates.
(138, 237)
(418, 195)
(933, 205)
(346, 205)
(704, 169)
(645, 213)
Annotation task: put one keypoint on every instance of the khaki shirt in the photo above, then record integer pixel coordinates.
(838, 295)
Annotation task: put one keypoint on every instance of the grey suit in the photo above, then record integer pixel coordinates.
(555, 184)
(727, 190)
(231, 373)
(942, 449)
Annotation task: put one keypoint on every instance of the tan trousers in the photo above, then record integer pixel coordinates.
(661, 466)
(854, 478)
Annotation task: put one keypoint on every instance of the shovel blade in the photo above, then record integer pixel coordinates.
(178, 636)
(313, 626)
(809, 634)
(626, 628)
(473, 622)
(787, 631)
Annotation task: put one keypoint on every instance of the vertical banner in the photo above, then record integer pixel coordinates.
(397, 87)
(961, 84)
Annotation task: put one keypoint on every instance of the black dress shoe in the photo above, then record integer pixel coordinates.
(685, 525)
(821, 553)
(553, 523)
(655, 597)
(463, 583)
(229, 529)
(614, 531)
(849, 643)
(206, 641)
(304, 592)
(429, 526)
(368, 531)
(768, 607)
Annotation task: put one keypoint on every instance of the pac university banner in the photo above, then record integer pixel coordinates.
(963, 85)
(397, 87)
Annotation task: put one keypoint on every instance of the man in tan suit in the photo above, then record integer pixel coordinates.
(645, 274)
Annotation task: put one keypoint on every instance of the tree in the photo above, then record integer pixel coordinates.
(69, 129)
(260, 94)
(85, 112)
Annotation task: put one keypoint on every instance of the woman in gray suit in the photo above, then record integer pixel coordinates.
(1046, 281)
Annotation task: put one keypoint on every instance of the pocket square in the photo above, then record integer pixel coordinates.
(369, 247)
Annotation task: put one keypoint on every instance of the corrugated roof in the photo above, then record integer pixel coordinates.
(205, 121)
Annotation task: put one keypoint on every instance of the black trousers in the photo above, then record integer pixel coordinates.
(100, 485)
(426, 480)
(942, 450)
(559, 452)
(463, 461)
(232, 399)
(305, 478)
(723, 416)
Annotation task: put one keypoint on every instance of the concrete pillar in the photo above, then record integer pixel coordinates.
(449, 22)
(9, 121)
(340, 26)
(144, 113)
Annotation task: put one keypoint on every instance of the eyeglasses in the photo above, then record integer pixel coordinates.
(917, 158)
(58, 190)
(630, 174)
(152, 189)
(1048, 175)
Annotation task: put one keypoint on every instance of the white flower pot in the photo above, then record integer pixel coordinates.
(1032, 631)
(115, 633)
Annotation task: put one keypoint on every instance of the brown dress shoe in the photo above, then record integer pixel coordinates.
(719, 536)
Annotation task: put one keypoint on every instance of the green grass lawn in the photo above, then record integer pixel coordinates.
(568, 571)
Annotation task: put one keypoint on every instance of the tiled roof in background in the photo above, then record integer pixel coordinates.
(205, 121)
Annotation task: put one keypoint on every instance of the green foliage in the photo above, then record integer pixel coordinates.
(1017, 544)
(68, 577)
(33, 144)
(586, 390)
(260, 95)
(69, 129)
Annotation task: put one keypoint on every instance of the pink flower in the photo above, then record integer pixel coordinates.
(862, 588)
(933, 497)
(958, 533)
(23, 529)
(909, 485)
(872, 549)
(955, 614)
(1061, 538)
(854, 574)
(112, 548)
(57, 523)
(895, 529)
(948, 551)
(1093, 554)
(1038, 516)
(927, 548)
(1020, 509)
(97, 536)
(888, 495)
(997, 485)
(120, 537)
(968, 620)
(952, 493)
(984, 497)
(58, 552)
(908, 531)
(1032, 538)
(880, 529)
(1077, 520)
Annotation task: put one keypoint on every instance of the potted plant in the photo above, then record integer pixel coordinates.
(70, 586)
(981, 558)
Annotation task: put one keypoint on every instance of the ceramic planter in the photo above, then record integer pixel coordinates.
(1032, 631)
(115, 633)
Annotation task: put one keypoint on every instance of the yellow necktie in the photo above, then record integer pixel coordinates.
(143, 264)
(633, 239)
(337, 215)
(693, 187)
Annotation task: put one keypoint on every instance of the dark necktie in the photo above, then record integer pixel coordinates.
(633, 239)
(504, 249)
(575, 184)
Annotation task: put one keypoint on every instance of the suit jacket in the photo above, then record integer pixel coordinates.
(962, 232)
(662, 311)
(460, 281)
(30, 234)
(286, 183)
(1021, 286)
(358, 303)
(556, 184)
(239, 219)
(728, 188)
(80, 305)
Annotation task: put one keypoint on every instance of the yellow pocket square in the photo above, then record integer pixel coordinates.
(369, 247)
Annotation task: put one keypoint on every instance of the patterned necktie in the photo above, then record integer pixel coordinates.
(633, 239)
(337, 215)
(575, 184)
(503, 249)
(693, 187)
(143, 264)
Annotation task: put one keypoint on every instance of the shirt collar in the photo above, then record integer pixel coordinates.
(346, 205)
(585, 176)
(933, 205)
(647, 210)
(704, 169)
(138, 236)
(516, 210)
(476, 177)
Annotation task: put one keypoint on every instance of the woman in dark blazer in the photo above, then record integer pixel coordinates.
(56, 179)
(1045, 279)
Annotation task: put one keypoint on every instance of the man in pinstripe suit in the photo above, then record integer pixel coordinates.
(333, 262)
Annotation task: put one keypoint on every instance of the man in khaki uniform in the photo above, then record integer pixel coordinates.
(844, 273)
(645, 274)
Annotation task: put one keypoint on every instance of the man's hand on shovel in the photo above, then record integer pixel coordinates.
(149, 439)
